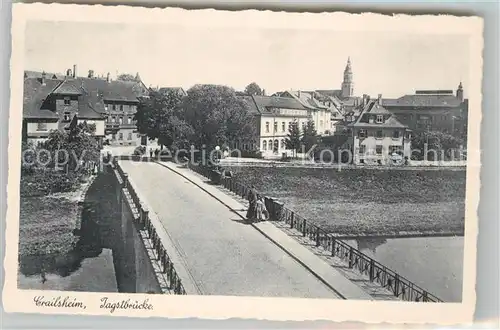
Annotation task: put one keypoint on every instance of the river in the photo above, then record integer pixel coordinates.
(434, 263)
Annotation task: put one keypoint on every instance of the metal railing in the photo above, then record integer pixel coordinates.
(399, 286)
(143, 221)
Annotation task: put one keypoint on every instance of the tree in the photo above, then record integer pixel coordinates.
(309, 135)
(161, 117)
(438, 144)
(253, 89)
(217, 116)
(293, 138)
(126, 77)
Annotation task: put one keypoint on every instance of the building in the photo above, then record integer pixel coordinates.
(376, 136)
(53, 103)
(273, 117)
(320, 111)
(179, 90)
(429, 110)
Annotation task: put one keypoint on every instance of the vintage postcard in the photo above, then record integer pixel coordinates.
(255, 164)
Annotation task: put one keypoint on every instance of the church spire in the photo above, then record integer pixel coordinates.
(347, 84)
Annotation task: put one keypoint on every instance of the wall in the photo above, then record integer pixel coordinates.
(62, 108)
(133, 267)
(371, 142)
(32, 128)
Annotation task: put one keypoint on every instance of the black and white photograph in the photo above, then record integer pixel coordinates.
(202, 153)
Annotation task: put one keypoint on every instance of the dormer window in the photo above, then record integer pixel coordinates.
(380, 119)
(67, 100)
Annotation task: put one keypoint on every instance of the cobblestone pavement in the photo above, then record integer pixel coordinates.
(373, 289)
(223, 255)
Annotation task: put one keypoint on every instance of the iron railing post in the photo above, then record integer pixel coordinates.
(351, 257)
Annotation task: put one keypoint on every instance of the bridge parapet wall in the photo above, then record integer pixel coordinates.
(168, 267)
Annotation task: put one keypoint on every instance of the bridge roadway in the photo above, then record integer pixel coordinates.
(223, 255)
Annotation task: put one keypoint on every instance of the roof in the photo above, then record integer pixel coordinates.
(37, 74)
(252, 106)
(423, 100)
(91, 93)
(34, 96)
(373, 107)
(263, 103)
(179, 90)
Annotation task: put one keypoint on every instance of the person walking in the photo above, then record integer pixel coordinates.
(252, 207)
(151, 153)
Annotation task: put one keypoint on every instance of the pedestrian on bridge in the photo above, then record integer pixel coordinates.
(252, 207)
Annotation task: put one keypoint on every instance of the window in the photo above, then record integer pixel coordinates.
(395, 135)
(264, 145)
(121, 107)
(395, 149)
(270, 145)
(138, 135)
(362, 133)
(303, 125)
(380, 119)
(67, 101)
(114, 106)
(283, 125)
(267, 127)
(275, 127)
(362, 149)
(283, 144)
(67, 116)
(113, 119)
(129, 136)
(379, 135)
(41, 126)
(129, 120)
(378, 150)
(120, 136)
(120, 120)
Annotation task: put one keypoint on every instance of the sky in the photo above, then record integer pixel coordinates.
(392, 64)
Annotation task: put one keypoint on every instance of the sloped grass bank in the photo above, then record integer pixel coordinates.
(368, 202)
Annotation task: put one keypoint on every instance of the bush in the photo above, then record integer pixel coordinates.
(139, 151)
(45, 182)
(247, 154)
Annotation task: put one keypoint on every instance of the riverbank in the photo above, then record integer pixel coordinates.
(367, 203)
(56, 252)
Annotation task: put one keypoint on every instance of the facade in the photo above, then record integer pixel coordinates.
(273, 117)
(318, 110)
(376, 136)
(426, 110)
(51, 104)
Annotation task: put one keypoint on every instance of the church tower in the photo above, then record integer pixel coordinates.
(460, 92)
(347, 84)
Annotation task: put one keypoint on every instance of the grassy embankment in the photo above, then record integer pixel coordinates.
(47, 222)
(368, 202)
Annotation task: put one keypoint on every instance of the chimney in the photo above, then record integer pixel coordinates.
(299, 94)
(68, 73)
(74, 70)
(91, 73)
(44, 75)
(264, 92)
(380, 99)
(365, 99)
(107, 77)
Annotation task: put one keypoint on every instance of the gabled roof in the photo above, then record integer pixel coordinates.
(423, 100)
(373, 107)
(264, 103)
